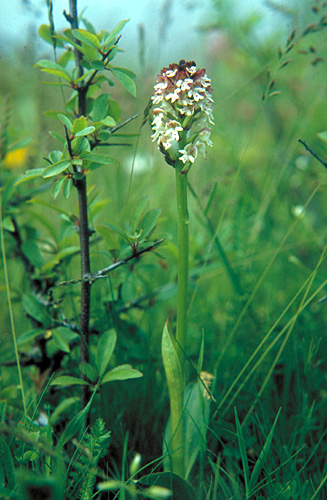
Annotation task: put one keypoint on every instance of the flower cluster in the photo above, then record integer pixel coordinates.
(182, 98)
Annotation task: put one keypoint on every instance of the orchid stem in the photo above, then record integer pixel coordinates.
(176, 406)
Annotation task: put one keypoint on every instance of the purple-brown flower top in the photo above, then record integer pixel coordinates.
(182, 98)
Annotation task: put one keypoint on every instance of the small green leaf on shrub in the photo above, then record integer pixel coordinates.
(108, 121)
(56, 169)
(79, 124)
(121, 372)
(31, 250)
(125, 80)
(56, 187)
(117, 29)
(66, 121)
(67, 188)
(61, 341)
(35, 309)
(100, 158)
(58, 73)
(30, 174)
(106, 346)
(148, 222)
(100, 107)
(109, 238)
(85, 131)
(86, 37)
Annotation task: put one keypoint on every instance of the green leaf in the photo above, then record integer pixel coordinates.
(108, 121)
(58, 137)
(97, 64)
(30, 174)
(79, 124)
(61, 341)
(121, 372)
(71, 42)
(66, 121)
(100, 158)
(55, 156)
(29, 336)
(79, 145)
(148, 222)
(125, 80)
(109, 238)
(100, 107)
(58, 73)
(114, 109)
(66, 57)
(46, 64)
(118, 230)
(106, 346)
(35, 309)
(45, 34)
(56, 187)
(31, 250)
(68, 380)
(56, 168)
(86, 37)
(85, 131)
(67, 188)
(89, 371)
(113, 34)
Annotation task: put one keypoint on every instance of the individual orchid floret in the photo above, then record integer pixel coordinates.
(183, 113)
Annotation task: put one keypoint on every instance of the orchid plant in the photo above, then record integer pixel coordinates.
(182, 116)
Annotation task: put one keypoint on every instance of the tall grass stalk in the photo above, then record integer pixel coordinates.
(11, 315)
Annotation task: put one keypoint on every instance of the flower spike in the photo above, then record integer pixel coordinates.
(182, 100)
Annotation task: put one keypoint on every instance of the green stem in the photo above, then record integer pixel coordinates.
(182, 293)
(176, 403)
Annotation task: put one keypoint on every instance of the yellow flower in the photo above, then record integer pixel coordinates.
(16, 159)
